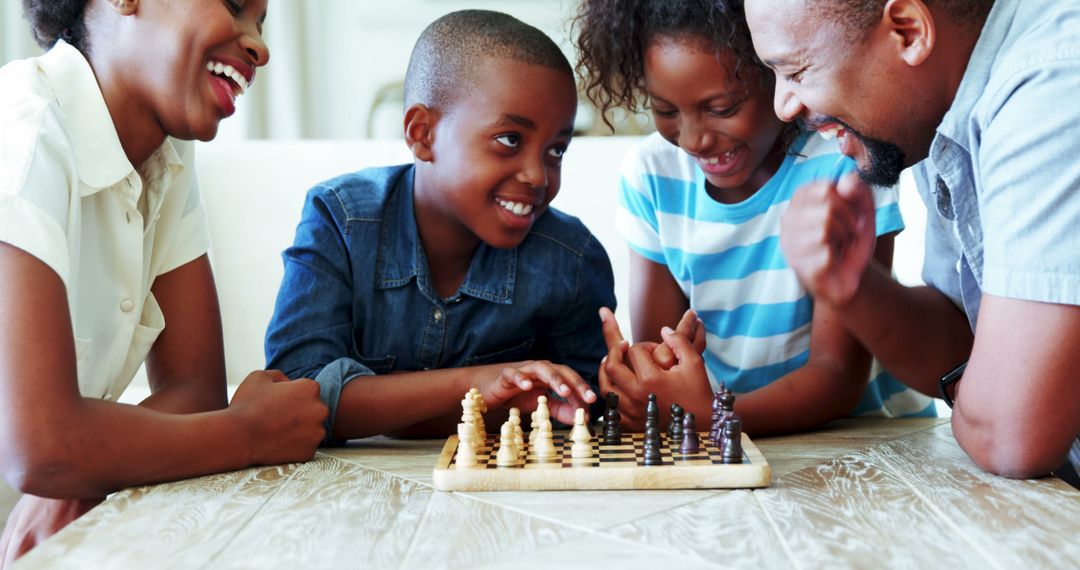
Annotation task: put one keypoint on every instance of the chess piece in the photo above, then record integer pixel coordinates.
(580, 436)
(519, 434)
(532, 428)
(731, 446)
(544, 446)
(470, 415)
(542, 412)
(652, 413)
(612, 420)
(691, 444)
(675, 425)
(481, 405)
(466, 451)
(717, 426)
(508, 454)
(651, 451)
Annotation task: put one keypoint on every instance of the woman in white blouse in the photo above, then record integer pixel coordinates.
(103, 261)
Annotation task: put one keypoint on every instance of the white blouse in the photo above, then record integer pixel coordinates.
(69, 197)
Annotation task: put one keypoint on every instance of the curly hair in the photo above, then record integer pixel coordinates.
(612, 36)
(51, 20)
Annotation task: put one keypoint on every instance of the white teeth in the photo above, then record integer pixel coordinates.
(830, 133)
(517, 208)
(229, 71)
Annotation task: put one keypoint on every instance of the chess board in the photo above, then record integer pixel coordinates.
(610, 467)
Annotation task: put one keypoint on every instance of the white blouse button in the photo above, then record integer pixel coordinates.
(127, 305)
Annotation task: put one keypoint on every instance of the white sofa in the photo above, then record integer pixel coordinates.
(254, 191)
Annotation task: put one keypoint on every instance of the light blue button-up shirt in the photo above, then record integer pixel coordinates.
(1002, 181)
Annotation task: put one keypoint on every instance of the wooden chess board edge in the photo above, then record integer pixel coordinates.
(755, 474)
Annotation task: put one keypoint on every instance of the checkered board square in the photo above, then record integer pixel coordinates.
(618, 466)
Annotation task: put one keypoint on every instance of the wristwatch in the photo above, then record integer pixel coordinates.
(952, 377)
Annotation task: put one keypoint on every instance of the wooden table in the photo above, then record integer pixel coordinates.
(861, 493)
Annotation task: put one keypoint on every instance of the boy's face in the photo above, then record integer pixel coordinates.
(187, 38)
(497, 152)
(727, 126)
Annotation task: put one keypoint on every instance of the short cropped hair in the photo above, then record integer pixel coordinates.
(446, 59)
(857, 16)
(51, 20)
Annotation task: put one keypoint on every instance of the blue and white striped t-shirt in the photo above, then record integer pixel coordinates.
(728, 262)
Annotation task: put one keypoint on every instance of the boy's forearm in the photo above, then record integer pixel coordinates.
(405, 402)
(917, 333)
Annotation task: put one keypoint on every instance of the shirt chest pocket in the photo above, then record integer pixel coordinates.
(514, 353)
(378, 365)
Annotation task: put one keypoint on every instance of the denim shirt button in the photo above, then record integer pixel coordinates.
(438, 315)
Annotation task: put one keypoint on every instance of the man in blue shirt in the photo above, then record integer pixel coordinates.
(406, 286)
(973, 94)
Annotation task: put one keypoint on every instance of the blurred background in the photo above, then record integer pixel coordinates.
(337, 65)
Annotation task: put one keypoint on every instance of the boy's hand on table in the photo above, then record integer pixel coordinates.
(828, 237)
(689, 326)
(34, 519)
(283, 417)
(521, 384)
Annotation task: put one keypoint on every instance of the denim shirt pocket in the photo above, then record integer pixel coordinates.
(383, 365)
(513, 354)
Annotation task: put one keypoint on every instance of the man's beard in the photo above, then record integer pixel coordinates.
(886, 161)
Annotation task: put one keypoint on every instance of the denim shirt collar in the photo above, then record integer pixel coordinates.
(491, 273)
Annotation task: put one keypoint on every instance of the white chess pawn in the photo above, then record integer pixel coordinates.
(519, 434)
(542, 411)
(544, 447)
(466, 452)
(580, 436)
(508, 453)
(534, 431)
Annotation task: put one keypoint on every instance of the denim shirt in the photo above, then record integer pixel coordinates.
(357, 297)
(1002, 181)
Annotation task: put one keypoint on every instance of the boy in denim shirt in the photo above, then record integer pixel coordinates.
(451, 273)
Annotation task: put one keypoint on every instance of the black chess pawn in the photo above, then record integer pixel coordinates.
(675, 428)
(731, 446)
(691, 443)
(612, 420)
(651, 451)
(676, 419)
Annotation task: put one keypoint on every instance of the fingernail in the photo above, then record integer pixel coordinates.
(590, 394)
(666, 330)
(603, 318)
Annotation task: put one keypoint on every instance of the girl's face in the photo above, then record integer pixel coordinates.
(195, 57)
(729, 127)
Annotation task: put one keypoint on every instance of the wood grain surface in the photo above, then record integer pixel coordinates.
(861, 493)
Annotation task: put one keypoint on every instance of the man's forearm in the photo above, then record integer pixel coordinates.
(917, 333)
